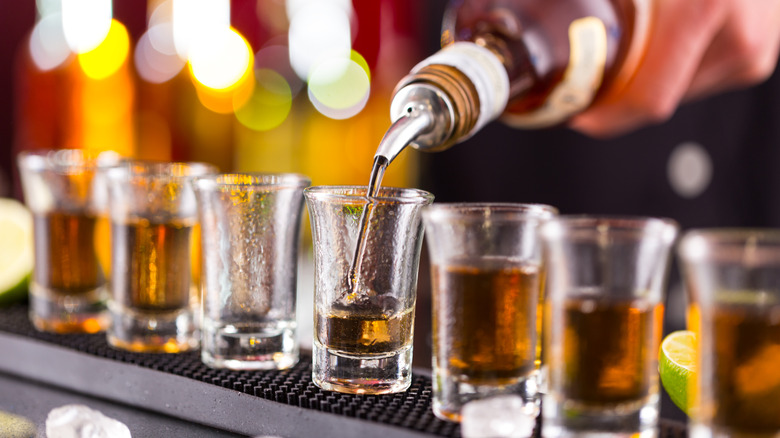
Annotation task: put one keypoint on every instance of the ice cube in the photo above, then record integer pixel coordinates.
(78, 421)
(501, 416)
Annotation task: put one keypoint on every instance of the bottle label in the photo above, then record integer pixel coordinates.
(583, 76)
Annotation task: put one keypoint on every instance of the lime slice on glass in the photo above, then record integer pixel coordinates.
(677, 367)
(16, 250)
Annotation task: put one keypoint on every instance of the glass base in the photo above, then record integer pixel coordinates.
(569, 419)
(249, 346)
(55, 312)
(378, 374)
(171, 332)
(450, 394)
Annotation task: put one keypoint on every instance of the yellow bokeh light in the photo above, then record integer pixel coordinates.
(223, 101)
(220, 60)
(339, 88)
(269, 104)
(358, 59)
(108, 57)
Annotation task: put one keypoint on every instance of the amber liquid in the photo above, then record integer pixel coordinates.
(365, 330)
(610, 351)
(746, 387)
(484, 321)
(532, 38)
(152, 271)
(66, 260)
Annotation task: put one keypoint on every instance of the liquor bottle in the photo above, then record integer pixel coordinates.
(533, 63)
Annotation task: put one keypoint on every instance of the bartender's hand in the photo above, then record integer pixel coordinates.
(696, 48)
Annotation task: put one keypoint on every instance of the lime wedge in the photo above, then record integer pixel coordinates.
(16, 250)
(12, 425)
(677, 367)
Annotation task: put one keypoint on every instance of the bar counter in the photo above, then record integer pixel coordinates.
(179, 394)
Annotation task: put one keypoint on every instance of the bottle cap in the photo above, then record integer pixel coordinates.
(486, 72)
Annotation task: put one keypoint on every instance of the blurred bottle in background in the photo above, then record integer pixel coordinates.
(247, 85)
(75, 85)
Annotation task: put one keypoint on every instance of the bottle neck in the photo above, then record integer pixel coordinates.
(446, 99)
(459, 107)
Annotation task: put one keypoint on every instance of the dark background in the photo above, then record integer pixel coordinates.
(16, 20)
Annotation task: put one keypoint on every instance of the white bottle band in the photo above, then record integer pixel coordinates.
(484, 70)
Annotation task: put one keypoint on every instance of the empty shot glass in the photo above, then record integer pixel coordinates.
(733, 281)
(364, 294)
(603, 321)
(153, 226)
(64, 191)
(486, 282)
(250, 236)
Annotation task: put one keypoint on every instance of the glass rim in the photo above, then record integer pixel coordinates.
(271, 180)
(155, 169)
(68, 160)
(698, 244)
(562, 225)
(495, 210)
(342, 194)
(736, 234)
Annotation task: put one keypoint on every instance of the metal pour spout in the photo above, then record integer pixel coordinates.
(423, 118)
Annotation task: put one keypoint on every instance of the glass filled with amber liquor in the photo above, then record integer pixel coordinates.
(487, 281)
(154, 256)
(733, 283)
(65, 192)
(603, 323)
(365, 286)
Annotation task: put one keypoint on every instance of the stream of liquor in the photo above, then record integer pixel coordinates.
(374, 184)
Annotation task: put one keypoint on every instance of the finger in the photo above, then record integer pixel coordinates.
(680, 34)
(744, 52)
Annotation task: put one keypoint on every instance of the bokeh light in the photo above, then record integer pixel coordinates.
(86, 23)
(295, 6)
(361, 62)
(162, 13)
(156, 59)
(48, 48)
(221, 60)
(339, 88)
(198, 20)
(276, 57)
(223, 101)
(269, 104)
(318, 32)
(105, 59)
(154, 62)
(48, 7)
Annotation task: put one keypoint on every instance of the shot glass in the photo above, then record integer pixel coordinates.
(364, 293)
(153, 226)
(250, 236)
(603, 324)
(733, 281)
(486, 278)
(63, 189)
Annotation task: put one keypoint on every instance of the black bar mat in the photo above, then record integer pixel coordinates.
(283, 403)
